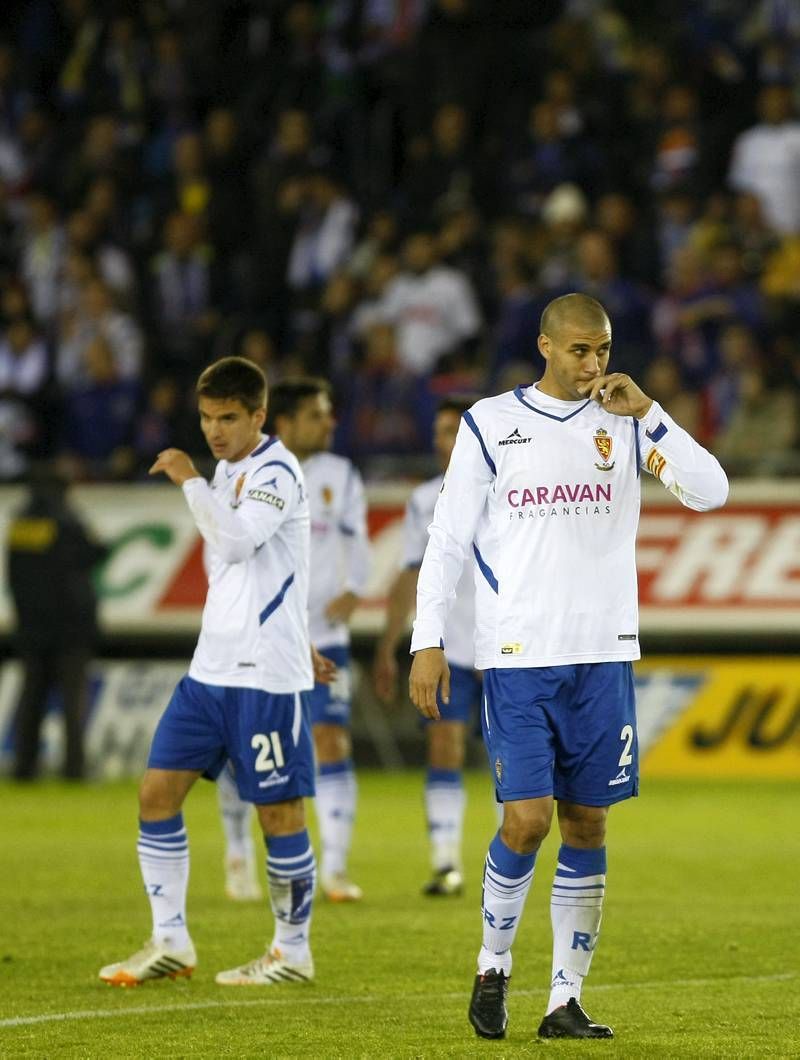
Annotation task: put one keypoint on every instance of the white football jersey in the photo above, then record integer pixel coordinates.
(255, 522)
(543, 496)
(339, 541)
(459, 638)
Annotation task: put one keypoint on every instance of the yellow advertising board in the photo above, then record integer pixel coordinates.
(707, 716)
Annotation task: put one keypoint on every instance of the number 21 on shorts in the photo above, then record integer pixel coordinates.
(270, 751)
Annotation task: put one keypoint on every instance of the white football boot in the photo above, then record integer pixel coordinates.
(152, 961)
(273, 967)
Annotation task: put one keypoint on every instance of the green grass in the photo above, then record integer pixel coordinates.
(698, 954)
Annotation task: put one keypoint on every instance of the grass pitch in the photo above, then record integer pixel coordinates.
(697, 958)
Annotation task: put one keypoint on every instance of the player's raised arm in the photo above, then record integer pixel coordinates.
(666, 450)
(235, 533)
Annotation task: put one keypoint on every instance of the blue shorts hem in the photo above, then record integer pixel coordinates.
(595, 800)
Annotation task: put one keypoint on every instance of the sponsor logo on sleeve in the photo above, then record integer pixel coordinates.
(265, 497)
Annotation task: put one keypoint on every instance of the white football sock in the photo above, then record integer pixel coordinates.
(576, 907)
(163, 850)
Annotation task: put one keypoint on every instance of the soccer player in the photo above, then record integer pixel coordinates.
(243, 696)
(301, 414)
(446, 738)
(542, 491)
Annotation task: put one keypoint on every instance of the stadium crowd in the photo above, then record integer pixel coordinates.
(387, 193)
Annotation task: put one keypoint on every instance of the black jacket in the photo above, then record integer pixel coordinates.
(50, 560)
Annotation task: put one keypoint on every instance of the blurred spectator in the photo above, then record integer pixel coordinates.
(112, 264)
(443, 171)
(24, 374)
(617, 215)
(99, 416)
(564, 213)
(42, 256)
(513, 338)
(50, 562)
(677, 152)
(156, 424)
(546, 158)
(100, 154)
(382, 415)
(256, 345)
(761, 435)
(752, 233)
(325, 234)
(184, 296)
(662, 381)
(597, 274)
(432, 307)
(766, 159)
(97, 317)
(380, 236)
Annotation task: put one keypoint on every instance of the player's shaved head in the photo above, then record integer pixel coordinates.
(578, 310)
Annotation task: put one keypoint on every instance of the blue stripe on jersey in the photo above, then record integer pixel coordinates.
(657, 434)
(638, 449)
(276, 463)
(550, 416)
(473, 426)
(485, 569)
(263, 448)
(276, 601)
(346, 530)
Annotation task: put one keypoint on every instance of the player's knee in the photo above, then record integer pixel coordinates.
(583, 826)
(331, 743)
(157, 799)
(524, 832)
(446, 745)
(281, 818)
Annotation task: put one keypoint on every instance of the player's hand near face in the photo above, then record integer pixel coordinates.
(620, 395)
(340, 608)
(429, 670)
(176, 465)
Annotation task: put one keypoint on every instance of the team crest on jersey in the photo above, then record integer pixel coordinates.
(327, 495)
(237, 490)
(603, 444)
(498, 770)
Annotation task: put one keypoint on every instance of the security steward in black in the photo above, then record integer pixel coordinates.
(50, 561)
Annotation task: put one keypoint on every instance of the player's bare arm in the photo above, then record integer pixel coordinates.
(401, 600)
(324, 668)
(618, 394)
(341, 607)
(176, 465)
(429, 671)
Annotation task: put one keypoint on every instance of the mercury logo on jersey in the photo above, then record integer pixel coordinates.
(515, 438)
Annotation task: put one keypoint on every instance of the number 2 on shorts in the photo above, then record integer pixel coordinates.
(626, 735)
(270, 752)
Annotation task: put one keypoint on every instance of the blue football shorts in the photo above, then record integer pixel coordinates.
(465, 696)
(330, 704)
(266, 735)
(566, 731)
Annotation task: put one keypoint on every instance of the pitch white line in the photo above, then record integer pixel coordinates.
(194, 1006)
